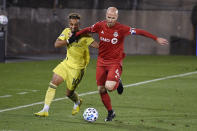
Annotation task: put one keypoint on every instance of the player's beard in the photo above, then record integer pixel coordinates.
(110, 24)
(75, 30)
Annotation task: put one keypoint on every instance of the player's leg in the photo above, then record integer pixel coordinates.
(107, 102)
(120, 88)
(74, 78)
(72, 95)
(58, 77)
(101, 76)
(111, 84)
(113, 80)
(50, 94)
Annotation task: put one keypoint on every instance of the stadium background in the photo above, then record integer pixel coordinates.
(34, 25)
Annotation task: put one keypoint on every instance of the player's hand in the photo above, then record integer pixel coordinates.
(162, 41)
(73, 38)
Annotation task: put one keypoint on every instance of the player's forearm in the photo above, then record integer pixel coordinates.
(95, 44)
(84, 31)
(146, 34)
(60, 43)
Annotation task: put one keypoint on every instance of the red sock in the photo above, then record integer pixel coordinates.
(106, 100)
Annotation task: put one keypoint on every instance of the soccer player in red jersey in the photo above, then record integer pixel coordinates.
(111, 53)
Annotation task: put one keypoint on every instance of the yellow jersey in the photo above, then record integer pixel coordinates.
(78, 55)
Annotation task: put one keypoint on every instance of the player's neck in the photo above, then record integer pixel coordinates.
(110, 25)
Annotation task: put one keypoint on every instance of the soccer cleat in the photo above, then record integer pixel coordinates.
(120, 87)
(76, 109)
(41, 114)
(111, 115)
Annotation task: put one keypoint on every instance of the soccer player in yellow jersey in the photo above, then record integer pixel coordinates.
(71, 69)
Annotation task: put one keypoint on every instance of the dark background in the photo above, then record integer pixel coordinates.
(34, 25)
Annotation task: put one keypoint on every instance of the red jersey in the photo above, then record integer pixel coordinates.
(111, 46)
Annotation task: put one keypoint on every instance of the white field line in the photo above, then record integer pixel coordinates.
(162, 78)
(20, 93)
(5, 96)
(94, 92)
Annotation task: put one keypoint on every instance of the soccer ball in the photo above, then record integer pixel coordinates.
(3, 20)
(90, 114)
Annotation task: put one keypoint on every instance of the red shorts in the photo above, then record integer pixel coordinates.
(111, 73)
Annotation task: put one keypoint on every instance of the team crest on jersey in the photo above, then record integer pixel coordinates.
(114, 40)
(115, 34)
(62, 35)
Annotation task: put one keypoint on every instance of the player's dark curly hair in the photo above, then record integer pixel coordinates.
(74, 16)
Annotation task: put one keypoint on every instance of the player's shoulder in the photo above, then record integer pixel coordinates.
(122, 25)
(66, 29)
(99, 23)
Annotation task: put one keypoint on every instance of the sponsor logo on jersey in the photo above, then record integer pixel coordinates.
(113, 40)
(115, 34)
(104, 39)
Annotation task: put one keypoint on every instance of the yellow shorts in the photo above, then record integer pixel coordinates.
(70, 75)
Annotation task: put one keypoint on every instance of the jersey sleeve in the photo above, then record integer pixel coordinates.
(126, 30)
(64, 35)
(143, 33)
(89, 41)
(92, 29)
(133, 31)
(95, 27)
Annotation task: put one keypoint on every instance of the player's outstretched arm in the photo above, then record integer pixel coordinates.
(159, 40)
(84, 31)
(162, 41)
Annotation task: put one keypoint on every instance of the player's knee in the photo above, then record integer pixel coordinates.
(52, 85)
(110, 85)
(57, 80)
(69, 94)
(102, 89)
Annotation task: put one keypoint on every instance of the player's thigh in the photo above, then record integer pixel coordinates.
(61, 70)
(114, 73)
(74, 78)
(59, 74)
(56, 79)
(101, 76)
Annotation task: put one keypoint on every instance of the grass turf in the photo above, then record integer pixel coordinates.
(167, 105)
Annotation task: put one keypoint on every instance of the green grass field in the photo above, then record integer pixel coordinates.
(169, 104)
